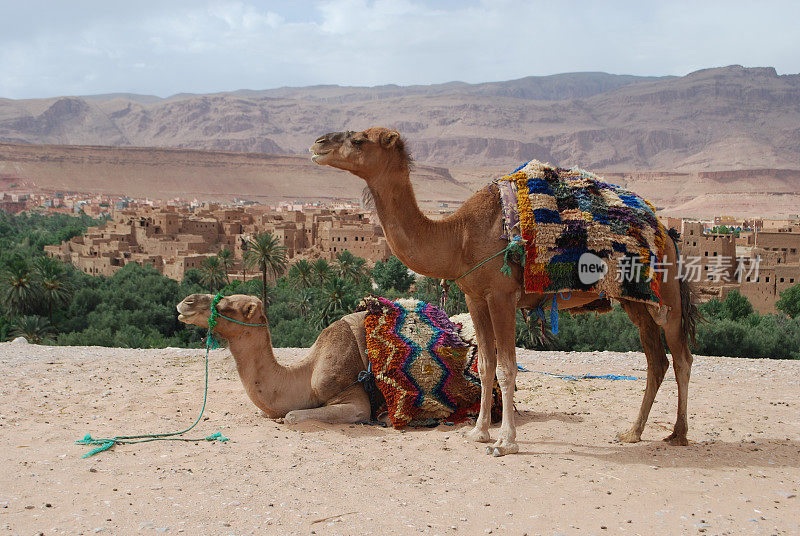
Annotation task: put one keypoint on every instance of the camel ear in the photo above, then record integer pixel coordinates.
(389, 138)
(250, 310)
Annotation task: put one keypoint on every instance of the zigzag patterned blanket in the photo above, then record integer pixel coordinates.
(425, 365)
(563, 213)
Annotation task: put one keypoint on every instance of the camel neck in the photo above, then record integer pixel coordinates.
(426, 246)
(266, 381)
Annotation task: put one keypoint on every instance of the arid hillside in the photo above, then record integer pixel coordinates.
(674, 139)
(715, 119)
(208, 175)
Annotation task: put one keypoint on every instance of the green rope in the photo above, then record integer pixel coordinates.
(107, 443)
(515, 246)
(212, 320)
(103, 444)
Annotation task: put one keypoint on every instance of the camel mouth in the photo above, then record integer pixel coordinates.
(316, 154)
(186, 316)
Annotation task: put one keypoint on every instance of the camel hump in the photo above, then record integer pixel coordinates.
(356, 323)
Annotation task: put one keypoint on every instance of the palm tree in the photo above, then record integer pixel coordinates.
(212, 273)
(33, 327)
(20, 292)
(350, 268)
(55, 289)
(359, 270)
(226, 258)
(304, 301)
(344, 263)
(322, 271)
(244, 240)
(301, 274)
(265, 253)
(255, 287)
(334, 300)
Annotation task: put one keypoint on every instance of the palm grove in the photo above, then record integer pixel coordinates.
(50, 302)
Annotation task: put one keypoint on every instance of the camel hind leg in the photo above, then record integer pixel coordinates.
(657, 365)
(351, 406)
(677, 340)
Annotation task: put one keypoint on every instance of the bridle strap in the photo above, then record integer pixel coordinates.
(212, 320)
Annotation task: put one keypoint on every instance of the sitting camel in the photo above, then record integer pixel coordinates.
(451, 247)
(321, 387)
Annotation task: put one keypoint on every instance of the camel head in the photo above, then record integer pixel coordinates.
(196, 309)
(367, 154)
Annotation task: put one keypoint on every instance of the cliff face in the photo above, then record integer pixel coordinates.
(714, 119)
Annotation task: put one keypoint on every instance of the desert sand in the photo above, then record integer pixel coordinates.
(740, 475)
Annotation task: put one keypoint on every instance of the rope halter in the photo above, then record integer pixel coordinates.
(212, 320)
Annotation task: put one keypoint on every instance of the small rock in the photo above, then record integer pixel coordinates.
(20, 340)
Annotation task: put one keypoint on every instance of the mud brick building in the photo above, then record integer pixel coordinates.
(777, 249)
(174, 240)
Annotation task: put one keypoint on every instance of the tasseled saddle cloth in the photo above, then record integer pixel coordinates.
(562, 214)
(425, 365)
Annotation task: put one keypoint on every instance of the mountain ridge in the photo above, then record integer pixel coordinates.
(595, 120)
(710, 121)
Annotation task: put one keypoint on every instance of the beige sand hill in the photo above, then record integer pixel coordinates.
(739, 476)
(206, 175)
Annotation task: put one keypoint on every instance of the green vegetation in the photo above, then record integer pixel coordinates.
(392, 275)
(47, 301)
(789, 301)
(724, 229)
(731, 328)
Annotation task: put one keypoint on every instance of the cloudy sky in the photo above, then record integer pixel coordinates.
(81, 47)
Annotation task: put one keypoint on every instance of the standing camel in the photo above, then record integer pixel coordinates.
(449, 248)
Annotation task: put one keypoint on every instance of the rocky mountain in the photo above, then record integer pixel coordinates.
(716, 141)
(715, 119)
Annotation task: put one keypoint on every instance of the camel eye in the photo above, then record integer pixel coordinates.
(357, 143)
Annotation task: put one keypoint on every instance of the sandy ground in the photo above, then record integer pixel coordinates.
(739, 476)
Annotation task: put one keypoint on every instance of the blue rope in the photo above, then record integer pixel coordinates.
(520, 167)
(573, 378)
(554, 316)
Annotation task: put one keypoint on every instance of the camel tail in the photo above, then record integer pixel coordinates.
(690, 314)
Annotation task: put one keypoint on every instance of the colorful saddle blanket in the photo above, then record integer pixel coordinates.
(425, 368)
(562, 214)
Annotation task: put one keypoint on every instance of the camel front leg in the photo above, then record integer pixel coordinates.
(347, 408)
(504, 316)
(657, 364)
(487, 362)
